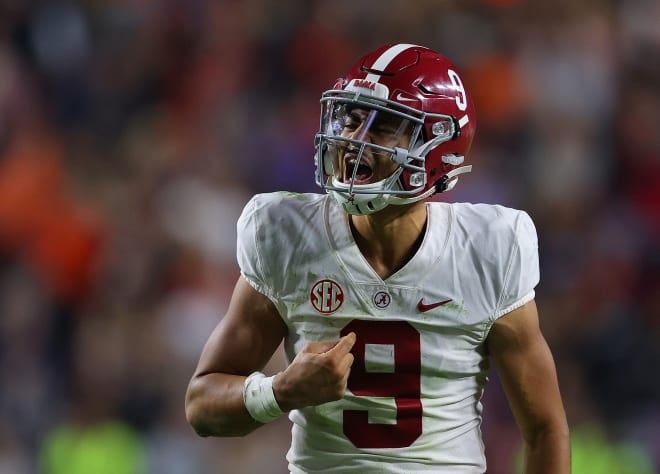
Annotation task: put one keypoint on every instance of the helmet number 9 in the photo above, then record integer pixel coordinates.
(461, 98)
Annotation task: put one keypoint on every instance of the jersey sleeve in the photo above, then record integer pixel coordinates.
(249, 253)
(522, 271)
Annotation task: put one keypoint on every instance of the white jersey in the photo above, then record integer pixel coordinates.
(413, 397)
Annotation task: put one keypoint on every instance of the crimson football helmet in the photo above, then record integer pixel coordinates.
(402, 101)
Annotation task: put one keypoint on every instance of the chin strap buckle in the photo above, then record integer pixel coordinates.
(448, 181)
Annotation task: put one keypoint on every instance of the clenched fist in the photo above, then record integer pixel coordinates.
(318, 374)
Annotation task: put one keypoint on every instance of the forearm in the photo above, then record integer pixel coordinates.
(215, 407)
(548, 453)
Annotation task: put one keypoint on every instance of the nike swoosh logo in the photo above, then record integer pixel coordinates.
(403, 97)
(427, 307)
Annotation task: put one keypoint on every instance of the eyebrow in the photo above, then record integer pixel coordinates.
(375, 117)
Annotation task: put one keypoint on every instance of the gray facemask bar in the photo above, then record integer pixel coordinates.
(404, 157)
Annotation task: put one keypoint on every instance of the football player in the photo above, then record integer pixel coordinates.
(390, 307)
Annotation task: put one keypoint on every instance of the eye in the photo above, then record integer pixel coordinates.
(351, 122)
(385, 129)
(354, 119)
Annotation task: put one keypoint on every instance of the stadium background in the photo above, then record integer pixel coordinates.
(132, 132)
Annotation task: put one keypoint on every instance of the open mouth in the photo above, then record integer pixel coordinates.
(363, 173)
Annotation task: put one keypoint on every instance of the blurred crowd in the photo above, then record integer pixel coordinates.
(132, 132)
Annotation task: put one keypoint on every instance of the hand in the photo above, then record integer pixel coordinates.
(318, 374)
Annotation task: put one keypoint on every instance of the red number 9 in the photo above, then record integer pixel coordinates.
(403, 385)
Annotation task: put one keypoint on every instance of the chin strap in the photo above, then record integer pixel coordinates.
(397, 201)
(444, 184)
(370, 203)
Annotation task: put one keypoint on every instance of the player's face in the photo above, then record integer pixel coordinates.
(373, 127)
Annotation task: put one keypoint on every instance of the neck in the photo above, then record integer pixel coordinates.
(388, 239)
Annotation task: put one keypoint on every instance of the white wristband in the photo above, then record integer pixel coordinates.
(259, 398)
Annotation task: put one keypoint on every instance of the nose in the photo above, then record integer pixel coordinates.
(361, 134)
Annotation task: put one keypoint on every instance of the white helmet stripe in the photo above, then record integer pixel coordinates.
(386, 58)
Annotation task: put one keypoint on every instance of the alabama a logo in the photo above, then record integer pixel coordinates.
(326, 296)
(382, 299)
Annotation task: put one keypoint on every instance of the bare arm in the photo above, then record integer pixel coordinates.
(243, 342)
(527, 370)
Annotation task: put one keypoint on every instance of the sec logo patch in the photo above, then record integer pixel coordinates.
(326, 296)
